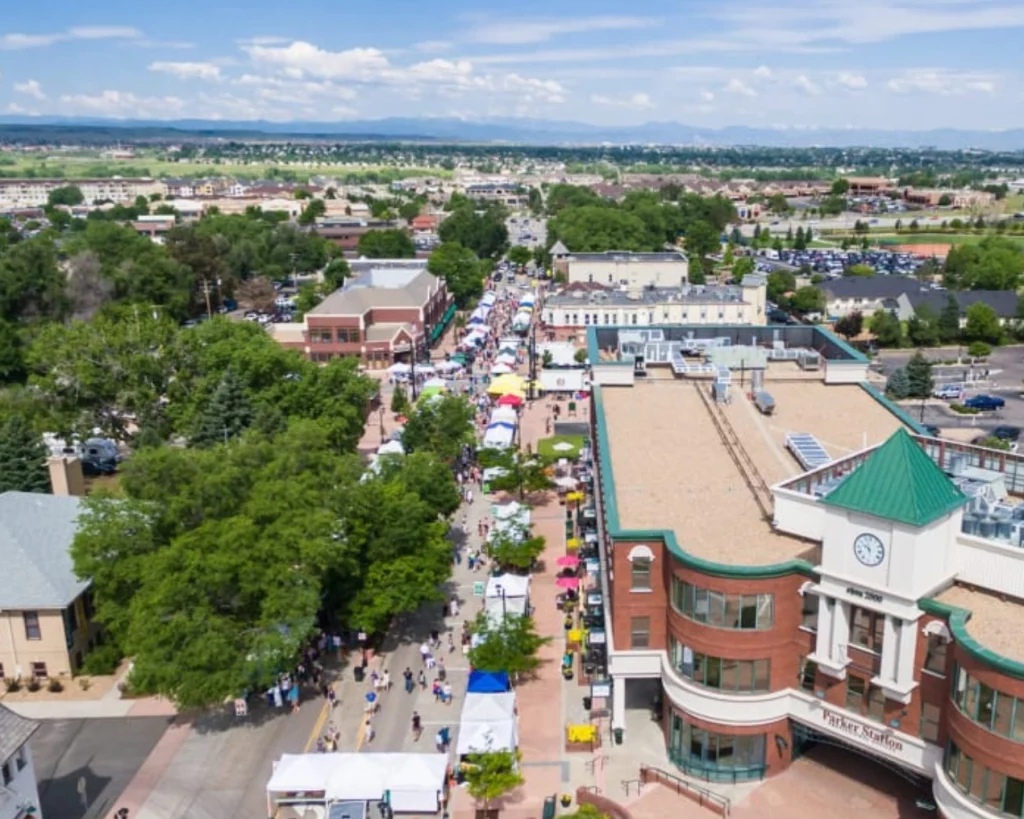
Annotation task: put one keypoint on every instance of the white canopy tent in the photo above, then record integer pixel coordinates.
(430, 383)
(415, 782)
(513, 585)
(499, 437)
(498, 609)
(504, 413)
(488, 723)
(448, 366)
(514, 509)
(392, 448)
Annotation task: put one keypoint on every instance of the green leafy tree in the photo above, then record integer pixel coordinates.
(441, 426)
(462, 272)
(523, 473)
(516, 554)
(808, 299)
(861, 270)
(832, 205)
(923, 327)
(886, 329)
(483, 232)
(400, 401)
(228, 414)
(313, 211)
(22, 457)
(979, 349)
(850, 325)
(780, 282)
(31, 283)
(308, 297)
(335, 273)
(994, 263)
(427, 477)
(410, 210)
(12, 354)
(520, 255)
(742, 267)
(919, 376)
(840, 187)
(510, 644)
(702, 239)
(492, 775)
(982, 324)
(386, 244)
(777, 203)
(67, 195)
(949, 320)
(897, 385)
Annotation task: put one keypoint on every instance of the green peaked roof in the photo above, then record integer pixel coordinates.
(898, 481)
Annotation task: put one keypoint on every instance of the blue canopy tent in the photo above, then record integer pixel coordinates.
(488, 682)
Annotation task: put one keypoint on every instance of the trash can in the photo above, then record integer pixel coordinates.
(618, 736)
(358, 673)
(549, 807)
(586, 703)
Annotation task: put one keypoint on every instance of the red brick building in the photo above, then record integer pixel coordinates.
(381, 317)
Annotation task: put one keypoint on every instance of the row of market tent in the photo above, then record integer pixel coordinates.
(524, 313)
(479, 331)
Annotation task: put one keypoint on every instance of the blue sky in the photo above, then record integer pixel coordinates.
(792, 63)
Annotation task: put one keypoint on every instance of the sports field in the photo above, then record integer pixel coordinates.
(942, 238)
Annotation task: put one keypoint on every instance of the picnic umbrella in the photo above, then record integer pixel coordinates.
(570, 561)
(568, 582)
(561, 446)
(510, 400)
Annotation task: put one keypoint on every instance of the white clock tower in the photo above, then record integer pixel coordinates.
(890, 537)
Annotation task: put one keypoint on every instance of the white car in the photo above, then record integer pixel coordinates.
(949, 392)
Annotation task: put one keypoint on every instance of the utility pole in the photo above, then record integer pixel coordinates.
(533, 356)
(412, 372)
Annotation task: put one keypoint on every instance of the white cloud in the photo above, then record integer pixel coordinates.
(433, 46)
(707, 96)
(271, 39)
(737, 86)
(763, 72)
(188, 70)
(804, 84)
(943, 82)
(123, 104)
(17, 41)
(30, 88)
(638, 100)
(851, 80)
(521, 32)
(305, 58)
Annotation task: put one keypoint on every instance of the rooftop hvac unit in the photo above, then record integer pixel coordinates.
(721, 392)
(957, 464)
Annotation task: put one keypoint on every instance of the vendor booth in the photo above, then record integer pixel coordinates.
(488, 723)
(412, 783)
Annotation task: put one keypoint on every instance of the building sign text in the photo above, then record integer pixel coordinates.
(871, 597)
(876, 736)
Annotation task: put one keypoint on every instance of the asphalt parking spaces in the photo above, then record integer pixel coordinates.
(90, 762)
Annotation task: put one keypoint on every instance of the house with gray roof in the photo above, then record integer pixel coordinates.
(19, 794)
(45, 609)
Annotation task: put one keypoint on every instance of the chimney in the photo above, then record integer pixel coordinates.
(66, 475)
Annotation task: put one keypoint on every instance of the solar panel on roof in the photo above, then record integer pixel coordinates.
(807, 450)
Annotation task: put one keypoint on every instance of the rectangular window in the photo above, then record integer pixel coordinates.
(876, 703)
(700, 605)
(5, 772)
(39, 671)
(1013, 796)
(716, 609)
(994, 790)
(1003, 722)
(733, 608)
(867, 628)
(809, 612)
(855, 688)
(959, 693)
(986, 705)
(731, 675)
(977, 788)
(713, 672)
(808, 672)
(640, 632)
(929, 727)
(765, 611)
(640, 574)
(21, 760)
(762, 675)
(935, 656)
(963, 773)
(748, 611)
(952, 760)
(1018, 722)
(32, 630)
(699, 670)
(687, 607)
(745, 681)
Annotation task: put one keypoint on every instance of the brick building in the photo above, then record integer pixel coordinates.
(381, 316)
(859, 585)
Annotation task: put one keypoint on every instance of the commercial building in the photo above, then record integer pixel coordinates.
(346, 232)
(381, 317)
(19, 793)
(933, 197)
(584, 305)
(46, 612)
(34, 192)
(617, 268)
(828, 575)
(902, 296)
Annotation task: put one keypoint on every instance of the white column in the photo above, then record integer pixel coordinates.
(905, 657)
(619, 702)
(890, 649)
(823, 644)
(840, 632)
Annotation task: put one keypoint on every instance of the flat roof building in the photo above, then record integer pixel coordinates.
(828, 573)
(625, 268)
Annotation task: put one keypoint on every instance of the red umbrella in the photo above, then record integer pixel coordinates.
(510, 401)
(568, 560)
(568, 582)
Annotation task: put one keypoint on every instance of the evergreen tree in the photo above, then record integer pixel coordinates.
(919, 376)
(22, 457)
(897, 387)
(227, 415)
(949, 320)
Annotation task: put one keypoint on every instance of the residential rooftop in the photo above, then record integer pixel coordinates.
(672, 469)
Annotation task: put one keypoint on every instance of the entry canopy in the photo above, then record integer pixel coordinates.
(488, 682)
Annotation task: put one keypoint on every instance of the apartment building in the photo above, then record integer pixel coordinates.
(34, 192)
(19, 793)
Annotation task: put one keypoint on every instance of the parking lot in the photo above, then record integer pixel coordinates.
(834, 262)
(83, 766)
(1000, 376)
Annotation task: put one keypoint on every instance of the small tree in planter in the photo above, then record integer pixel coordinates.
(491, 775)
(400, 401)
(510, 645)
(516, 554)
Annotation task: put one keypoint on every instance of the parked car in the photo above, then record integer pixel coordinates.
(93, 467)
(1005, 432)
(985, 403)
(949, 392)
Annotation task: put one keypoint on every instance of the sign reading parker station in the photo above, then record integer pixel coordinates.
(876, 736)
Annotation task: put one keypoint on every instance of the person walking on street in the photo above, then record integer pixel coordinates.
(370, 733)
(417, 726)
(422, 680)
(407, 674)
(386, 680)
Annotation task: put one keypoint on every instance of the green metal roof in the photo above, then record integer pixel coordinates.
(898, 481)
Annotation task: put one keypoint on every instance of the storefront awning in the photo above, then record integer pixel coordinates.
(439, 328)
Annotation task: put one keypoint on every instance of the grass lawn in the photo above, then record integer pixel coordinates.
(546, 446)
(84, 165)
(943, 238)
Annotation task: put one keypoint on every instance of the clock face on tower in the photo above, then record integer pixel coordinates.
(868, 549)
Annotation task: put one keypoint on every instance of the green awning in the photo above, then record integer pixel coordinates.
(439, 328)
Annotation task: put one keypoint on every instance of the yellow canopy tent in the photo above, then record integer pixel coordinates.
(507, 384)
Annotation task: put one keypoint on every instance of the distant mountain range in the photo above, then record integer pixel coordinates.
(534, 132)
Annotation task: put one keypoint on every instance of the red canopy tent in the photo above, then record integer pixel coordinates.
(510, 401)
